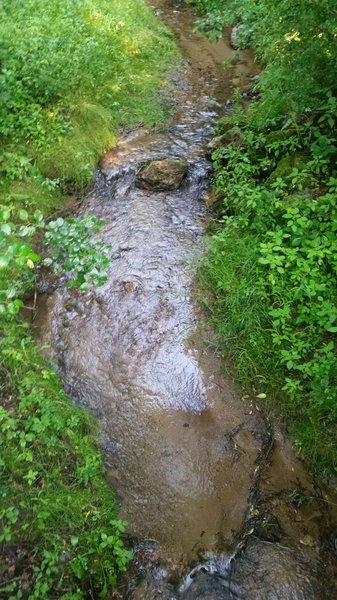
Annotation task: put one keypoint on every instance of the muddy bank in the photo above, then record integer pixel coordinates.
(196, 468)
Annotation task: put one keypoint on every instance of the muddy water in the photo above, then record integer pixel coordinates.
(183, 451)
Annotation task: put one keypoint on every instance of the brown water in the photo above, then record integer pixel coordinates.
(183, 451)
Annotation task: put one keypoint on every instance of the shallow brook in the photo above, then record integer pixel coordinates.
(195, 467)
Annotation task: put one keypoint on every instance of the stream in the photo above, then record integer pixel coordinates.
(217, 504)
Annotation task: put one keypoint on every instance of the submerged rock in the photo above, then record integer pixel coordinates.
(165, 174)
(208, 586)
(263, 571)
(268, 529)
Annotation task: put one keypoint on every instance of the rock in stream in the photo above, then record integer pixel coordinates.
(164, 174)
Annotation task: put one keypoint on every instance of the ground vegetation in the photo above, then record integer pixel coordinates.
(271, 268)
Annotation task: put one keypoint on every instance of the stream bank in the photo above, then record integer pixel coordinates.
(203, 479)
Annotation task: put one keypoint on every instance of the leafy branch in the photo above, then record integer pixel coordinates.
(72, 248)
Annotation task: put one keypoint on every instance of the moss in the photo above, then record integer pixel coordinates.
(31, 194)
(73, 158)
(225, 124)
(286, 166)
(280, 135)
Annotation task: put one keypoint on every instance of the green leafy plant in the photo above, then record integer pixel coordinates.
(72, 248)
(54, 501)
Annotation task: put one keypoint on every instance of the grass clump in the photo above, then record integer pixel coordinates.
(235, 303)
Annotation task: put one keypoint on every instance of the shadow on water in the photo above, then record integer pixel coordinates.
(187, 456)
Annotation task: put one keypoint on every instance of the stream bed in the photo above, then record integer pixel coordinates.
(217, 504)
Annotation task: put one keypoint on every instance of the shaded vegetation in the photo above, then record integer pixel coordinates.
(294, 41)
(271, 265)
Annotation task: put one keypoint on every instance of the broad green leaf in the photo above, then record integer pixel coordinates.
(38, 216)
(5, 214)
(6, 229)
(11, 292)
(4, 261)
(23, 215)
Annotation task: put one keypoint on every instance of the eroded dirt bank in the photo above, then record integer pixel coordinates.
(199, 472)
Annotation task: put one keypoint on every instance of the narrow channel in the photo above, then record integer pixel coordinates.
(182, 449)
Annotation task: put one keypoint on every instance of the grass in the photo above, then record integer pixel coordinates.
(74, 76)
(73, 158)
(235, 306)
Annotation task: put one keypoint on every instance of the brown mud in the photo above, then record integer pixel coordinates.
(201, 476)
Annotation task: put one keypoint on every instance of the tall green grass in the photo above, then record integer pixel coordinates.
(72, 74)
(235, 305)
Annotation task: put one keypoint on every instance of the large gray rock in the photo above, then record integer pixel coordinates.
(165, 174)
(236, 34)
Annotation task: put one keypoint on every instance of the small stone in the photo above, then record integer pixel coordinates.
(215, 143)
(236, 81)
(130, 286)
(205, 586)
(307, 541)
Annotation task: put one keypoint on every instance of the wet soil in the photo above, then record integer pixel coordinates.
(197, 469)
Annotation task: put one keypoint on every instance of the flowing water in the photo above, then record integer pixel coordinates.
(187, 457)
